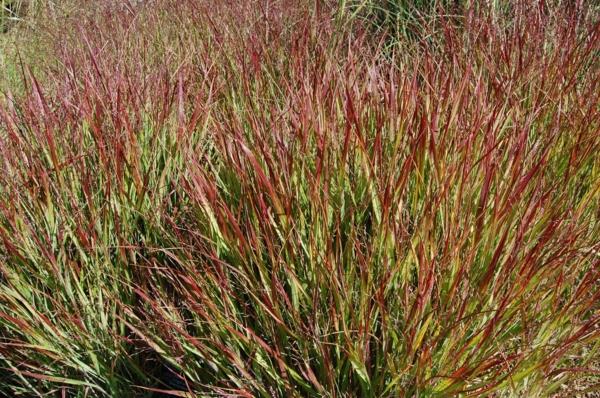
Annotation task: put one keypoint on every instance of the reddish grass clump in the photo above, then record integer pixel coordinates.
(272, 200)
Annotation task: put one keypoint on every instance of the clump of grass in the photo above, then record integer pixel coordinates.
(249, 202)
(399, 19)
(9, 13)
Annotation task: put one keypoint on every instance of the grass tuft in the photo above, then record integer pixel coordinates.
(260, 201)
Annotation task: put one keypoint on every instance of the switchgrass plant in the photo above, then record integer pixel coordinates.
(220, 201)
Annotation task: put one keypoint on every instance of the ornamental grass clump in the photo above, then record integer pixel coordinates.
(262, 201)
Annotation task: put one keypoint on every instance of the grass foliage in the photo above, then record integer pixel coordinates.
(253, 200)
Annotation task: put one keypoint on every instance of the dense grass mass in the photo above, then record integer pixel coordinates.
(301, 199)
